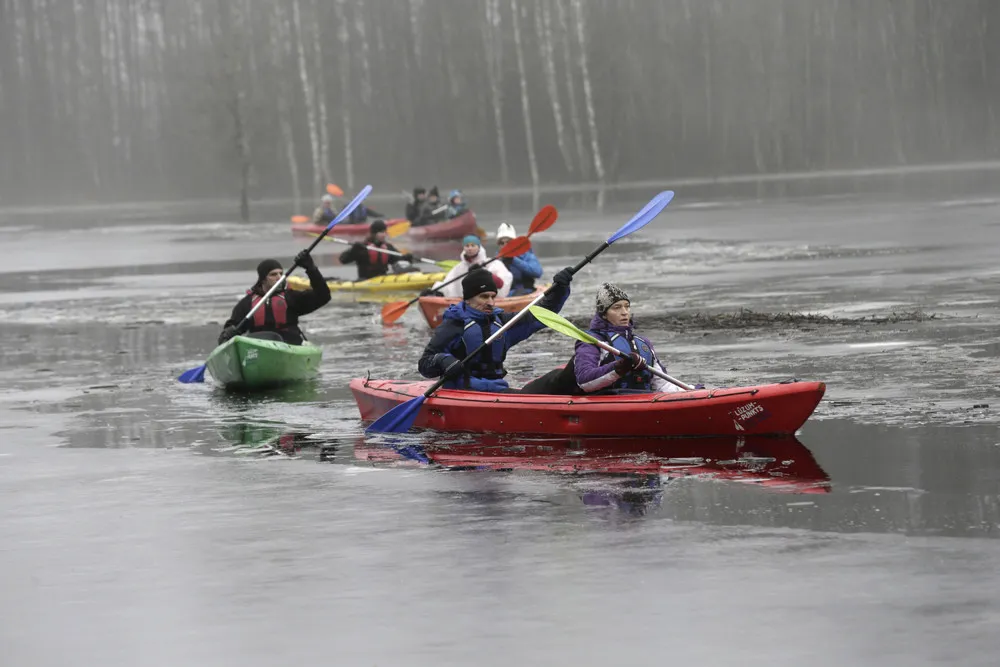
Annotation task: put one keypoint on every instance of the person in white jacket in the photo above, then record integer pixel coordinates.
(473, 254)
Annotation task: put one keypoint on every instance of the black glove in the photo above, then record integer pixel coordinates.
(632, 362)
(452, 368)
(228, 333)
(431, 292)
(358, 246)
(408, 257)
(473, 267)
(305, 260)
(564, 277)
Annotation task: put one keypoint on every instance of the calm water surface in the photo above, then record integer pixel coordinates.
(144, 522)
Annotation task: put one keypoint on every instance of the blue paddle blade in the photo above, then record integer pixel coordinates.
(347, 210)
(645, 216)
(193, 375)
(399, 419)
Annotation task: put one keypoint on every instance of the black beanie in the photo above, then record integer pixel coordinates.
(376, 227)
(419, 191)
(434, 192)
(476, 282)
(266, 267)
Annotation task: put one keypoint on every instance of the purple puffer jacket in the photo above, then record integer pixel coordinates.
(591, 376)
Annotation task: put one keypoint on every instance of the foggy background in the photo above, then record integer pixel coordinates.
(105, 100)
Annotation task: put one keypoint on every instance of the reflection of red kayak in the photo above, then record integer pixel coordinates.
(455, 228)
(773, 409)
(781, 464)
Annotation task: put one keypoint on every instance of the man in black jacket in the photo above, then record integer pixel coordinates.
(372, 263)
(279, 316)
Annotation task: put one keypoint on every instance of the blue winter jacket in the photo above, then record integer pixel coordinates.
(448, 342)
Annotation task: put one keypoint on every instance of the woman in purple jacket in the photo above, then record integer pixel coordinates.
(592, 370)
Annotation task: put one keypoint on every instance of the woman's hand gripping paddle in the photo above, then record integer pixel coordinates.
(544, 219)
(401, 418)
(197, 374)
(559, 323)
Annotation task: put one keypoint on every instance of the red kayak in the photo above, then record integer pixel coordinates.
(771, 409)
(455, 228)
(781, 464)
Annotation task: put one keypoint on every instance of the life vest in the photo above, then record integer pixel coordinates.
(360, 214)
(523, 284)
(633, 380)
(488, 364)
(376, 257)
(276, 307)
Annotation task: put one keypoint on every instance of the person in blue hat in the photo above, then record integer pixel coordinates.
(473, 256)
(456, 204)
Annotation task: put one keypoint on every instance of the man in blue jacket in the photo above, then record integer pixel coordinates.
(468, 324)
(525, 268)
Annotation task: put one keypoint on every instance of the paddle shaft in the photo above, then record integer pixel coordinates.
(586, 260)
(652, 369)
(385, 250)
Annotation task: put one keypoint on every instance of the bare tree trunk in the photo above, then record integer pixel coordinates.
(307, 91)
(574, 113)
(345, 90)
(494, 73)
(324, 126)
(588, 94)
(543, 28)
(281, 46)
(366, 73)
(525, 105)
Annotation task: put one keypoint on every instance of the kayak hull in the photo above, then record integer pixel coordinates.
(773, 409)
(454, 228)
(253, 363)
(433, 307)
(393, 282)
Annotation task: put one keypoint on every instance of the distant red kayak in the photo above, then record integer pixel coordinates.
(455, 228)
(772, 409)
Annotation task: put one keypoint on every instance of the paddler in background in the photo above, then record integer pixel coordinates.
(372, 263)
(473, 256)
(468, 324)
(416, 204)
(278, 319)
(592, 370)
(326, 212)
(525, 268)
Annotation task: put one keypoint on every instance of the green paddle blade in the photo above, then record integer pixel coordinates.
(560, 324)
(447, 264)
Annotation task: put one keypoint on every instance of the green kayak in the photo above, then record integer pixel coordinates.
(251, 363)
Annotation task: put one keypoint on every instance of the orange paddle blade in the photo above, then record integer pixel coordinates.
(334, 190)
(399, 229)
(515, 247)
(543, 219)
(301, 219)
(393, 311)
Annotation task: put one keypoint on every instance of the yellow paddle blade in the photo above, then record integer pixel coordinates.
(447, 264)
(561, 324)
(399, 229)
(480, 232)
(334, 190)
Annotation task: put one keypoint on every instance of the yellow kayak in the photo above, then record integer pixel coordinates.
(394, 282)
